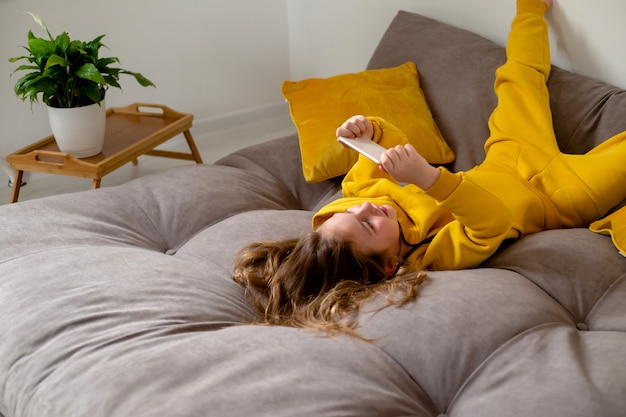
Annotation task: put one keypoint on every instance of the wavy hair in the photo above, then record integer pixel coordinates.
(317, 282)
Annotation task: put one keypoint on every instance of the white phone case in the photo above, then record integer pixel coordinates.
(365, 146)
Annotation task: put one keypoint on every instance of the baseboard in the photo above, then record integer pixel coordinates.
(240, 119)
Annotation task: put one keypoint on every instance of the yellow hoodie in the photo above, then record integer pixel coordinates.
(465, 212)
(525, 185)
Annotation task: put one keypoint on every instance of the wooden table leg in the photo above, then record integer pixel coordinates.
(192, 146)
(96, 183)
(17, 184)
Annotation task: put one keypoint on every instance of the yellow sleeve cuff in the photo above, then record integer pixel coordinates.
(445, 185)
(613, 225)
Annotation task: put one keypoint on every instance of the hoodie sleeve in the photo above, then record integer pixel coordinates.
(481, 223)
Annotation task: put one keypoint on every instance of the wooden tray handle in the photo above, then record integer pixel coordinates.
(148, 109)
(53, 159)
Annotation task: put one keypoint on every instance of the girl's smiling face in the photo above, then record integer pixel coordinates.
(371, 228)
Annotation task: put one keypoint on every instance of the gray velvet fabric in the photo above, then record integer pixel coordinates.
(119, 302)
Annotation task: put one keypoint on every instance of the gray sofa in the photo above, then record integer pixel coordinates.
(119, 302)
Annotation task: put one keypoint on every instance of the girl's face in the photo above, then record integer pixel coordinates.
(371, 228)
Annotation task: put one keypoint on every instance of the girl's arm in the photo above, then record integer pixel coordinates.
(482, 222)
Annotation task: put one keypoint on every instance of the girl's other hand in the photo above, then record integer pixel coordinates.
(405, 164)
(356, 126)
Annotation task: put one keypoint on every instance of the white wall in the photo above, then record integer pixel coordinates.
(212, 58)
(334, 36)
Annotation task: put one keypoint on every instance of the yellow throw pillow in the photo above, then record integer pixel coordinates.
(319, 106)
(613, 225)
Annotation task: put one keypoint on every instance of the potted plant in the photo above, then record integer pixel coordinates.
(69, 76)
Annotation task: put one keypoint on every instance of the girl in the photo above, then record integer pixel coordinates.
(439, 220)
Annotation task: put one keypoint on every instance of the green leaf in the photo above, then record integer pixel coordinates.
(57, 60)
(26, 67)
(94, 45)
(112, 81)
(45, 85)
(75, 47)
(22, 84)
(104, 62)
(143, 81)
(17, 58)
(90, 72)
(63, 42)
(39, 47)
(92, 92)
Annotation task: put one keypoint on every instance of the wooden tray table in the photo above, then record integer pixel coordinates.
(131, 131)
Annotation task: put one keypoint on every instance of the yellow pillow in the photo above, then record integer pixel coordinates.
(319, 106)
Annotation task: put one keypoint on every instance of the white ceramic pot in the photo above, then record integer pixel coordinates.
(79, 131)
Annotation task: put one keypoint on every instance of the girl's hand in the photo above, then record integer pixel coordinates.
(405, 164)
(356, 126)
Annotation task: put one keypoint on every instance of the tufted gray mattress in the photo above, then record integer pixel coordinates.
(119, 302)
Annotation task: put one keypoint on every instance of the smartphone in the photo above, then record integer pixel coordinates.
(364, 146)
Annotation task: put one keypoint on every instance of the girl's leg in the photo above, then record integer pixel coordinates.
(522, 136)
(585, 187)
(581, 187)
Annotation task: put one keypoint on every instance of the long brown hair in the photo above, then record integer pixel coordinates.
(317, 281)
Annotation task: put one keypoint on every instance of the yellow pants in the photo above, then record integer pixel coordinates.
(580, 187)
